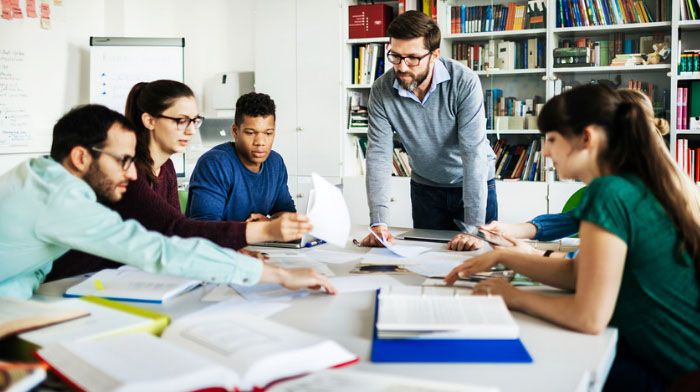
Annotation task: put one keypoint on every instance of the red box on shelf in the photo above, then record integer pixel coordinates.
(368, 21)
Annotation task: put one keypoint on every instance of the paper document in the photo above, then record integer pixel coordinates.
(344, 380)
(439, 269)
(349, 284)
(236, 303)
(332, 257)
(393, 250)
(328, 213)
(300, 261)
(267, 291)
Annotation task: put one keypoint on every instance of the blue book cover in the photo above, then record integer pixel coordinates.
(446, 350)
(463, 18)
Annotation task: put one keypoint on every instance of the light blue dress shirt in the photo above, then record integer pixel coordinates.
(45, 211)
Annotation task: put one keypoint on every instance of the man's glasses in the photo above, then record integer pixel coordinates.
(124, 160)
(184, 122)
(411, 61)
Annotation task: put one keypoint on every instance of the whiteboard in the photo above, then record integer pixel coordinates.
(33, 68)
(118, 63)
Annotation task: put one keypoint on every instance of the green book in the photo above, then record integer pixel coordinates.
(604, 53)
(694, 102)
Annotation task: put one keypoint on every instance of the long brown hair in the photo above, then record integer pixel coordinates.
(633, 146)
(153, 98)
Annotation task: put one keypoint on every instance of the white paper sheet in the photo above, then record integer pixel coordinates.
(328, 213)
(300, 261)
(268, 291)
(236, 303)
(333, 257)
(389, 250)
(363, 282)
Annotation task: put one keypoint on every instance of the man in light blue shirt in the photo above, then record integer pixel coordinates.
(435, 106)
(48, 206)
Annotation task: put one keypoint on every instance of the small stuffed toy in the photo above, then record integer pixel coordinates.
(660, 54)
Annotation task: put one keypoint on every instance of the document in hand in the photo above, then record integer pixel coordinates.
(233, 351)
(19, 315)
(328, 212)
(440, 312)
(107, 318)
(131, 284)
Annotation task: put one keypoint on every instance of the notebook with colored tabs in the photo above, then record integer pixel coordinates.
(446, 350)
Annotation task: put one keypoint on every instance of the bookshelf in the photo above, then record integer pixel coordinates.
(547, 80)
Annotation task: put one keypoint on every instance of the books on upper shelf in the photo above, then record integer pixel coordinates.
(368, 62)
(19, 315)
(20, 377)
(689, 64)
(577, 13)
(231, 351)
(501, 54)
(497, 17)
(410, 311)
(131, 284)
(107, 318)
(689, 9)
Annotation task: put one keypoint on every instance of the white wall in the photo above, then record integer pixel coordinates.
(218, 38)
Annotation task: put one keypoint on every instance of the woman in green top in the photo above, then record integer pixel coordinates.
(637, 266)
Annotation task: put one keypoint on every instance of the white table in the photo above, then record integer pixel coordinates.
(562, 360)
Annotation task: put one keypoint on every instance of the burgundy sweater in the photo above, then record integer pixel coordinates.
(157, 208)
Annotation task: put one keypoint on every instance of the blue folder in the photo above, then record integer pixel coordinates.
(446, 350)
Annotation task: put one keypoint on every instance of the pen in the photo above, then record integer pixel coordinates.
(314, 242)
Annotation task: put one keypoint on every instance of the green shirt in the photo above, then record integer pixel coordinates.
(657, 309)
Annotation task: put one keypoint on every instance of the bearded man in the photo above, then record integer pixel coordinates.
(436, 107)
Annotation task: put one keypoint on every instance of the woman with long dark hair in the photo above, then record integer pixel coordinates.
(637, 266)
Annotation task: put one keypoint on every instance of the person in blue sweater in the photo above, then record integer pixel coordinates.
(243, 180)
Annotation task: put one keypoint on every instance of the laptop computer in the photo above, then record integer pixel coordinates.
(215, 131)
(428, 235)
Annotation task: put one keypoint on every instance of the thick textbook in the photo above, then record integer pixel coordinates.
(445, 350)
(131, 284)
(419, 312)
(231, 351)
(107, 318)
(19, 315)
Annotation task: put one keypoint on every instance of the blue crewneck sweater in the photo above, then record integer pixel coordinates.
(222, 188)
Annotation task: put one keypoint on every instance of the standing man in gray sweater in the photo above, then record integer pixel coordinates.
(435, 106)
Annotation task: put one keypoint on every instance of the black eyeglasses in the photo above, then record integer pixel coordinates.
(184, 122)
(411, 61)
(124, 160)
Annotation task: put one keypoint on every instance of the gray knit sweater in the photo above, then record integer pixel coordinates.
(445, 139)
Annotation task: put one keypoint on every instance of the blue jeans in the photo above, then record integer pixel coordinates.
(436, 207)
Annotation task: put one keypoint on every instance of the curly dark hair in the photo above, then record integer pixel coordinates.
(253, 105)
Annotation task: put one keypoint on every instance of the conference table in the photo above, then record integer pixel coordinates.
(563, 360)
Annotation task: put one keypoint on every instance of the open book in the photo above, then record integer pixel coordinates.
(228, 351)
(19, 315)
(441, 312)
(107, 318)
(131, 284)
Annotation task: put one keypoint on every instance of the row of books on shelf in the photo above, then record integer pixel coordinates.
(428, 7)
(486, 18)
(501, 54)
(688, 105)
(357, 112)
(617, 51)
(690, 9)
(520, 162)
(688, 159)
(577, 13)
(689, 64)
(368, 62)
(400, 164)
(520, 112)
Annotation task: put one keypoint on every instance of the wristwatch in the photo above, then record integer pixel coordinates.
(547, 253)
